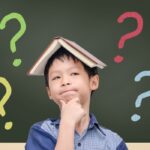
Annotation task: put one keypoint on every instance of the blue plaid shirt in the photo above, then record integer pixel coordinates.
(43, 136)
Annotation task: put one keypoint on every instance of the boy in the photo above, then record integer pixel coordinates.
(70, 84)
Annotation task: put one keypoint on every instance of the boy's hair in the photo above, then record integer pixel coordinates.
(60, 53)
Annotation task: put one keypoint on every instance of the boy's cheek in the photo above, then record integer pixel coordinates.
(57, 102)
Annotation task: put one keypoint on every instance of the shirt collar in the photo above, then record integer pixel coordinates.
(93, 123)
(55, 122)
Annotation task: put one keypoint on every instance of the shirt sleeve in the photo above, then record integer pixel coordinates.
(38, 139)
(122, 146)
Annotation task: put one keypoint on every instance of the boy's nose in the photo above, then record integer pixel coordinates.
(65, 81)
(64, 84)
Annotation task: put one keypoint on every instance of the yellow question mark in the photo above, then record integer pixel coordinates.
(5, 83)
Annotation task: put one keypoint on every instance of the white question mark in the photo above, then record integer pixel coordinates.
(138, 102)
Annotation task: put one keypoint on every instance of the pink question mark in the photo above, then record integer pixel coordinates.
(121, 18)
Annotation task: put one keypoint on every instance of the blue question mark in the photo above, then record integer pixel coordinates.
(138, 102)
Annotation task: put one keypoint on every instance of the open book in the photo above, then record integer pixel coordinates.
(79, 52)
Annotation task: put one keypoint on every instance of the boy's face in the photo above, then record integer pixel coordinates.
(68, 79)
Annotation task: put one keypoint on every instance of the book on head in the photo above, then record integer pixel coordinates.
(79, 52)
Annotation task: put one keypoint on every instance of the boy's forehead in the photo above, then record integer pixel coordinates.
(65, 62)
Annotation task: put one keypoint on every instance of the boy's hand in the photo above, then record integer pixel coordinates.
(72, 111)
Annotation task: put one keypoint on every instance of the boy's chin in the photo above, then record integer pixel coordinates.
(66, 97)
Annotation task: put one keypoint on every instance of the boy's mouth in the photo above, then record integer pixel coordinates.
(68, 91)
(68, 95)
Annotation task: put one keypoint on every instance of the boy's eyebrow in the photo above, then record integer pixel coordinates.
(52, 72)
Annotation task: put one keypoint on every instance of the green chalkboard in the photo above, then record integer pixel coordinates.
(93, 25)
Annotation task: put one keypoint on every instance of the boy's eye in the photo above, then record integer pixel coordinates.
(56, 78)
(75, 73)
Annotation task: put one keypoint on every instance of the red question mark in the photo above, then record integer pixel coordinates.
(121, 18)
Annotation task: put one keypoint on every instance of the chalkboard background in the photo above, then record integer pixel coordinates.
(93, 25)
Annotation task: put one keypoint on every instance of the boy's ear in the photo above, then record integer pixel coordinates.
(48, 92)
(94, 82)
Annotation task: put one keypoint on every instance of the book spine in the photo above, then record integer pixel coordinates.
(84, 52)
(78, 54)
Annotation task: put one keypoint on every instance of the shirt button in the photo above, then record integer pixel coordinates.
(79, 144)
